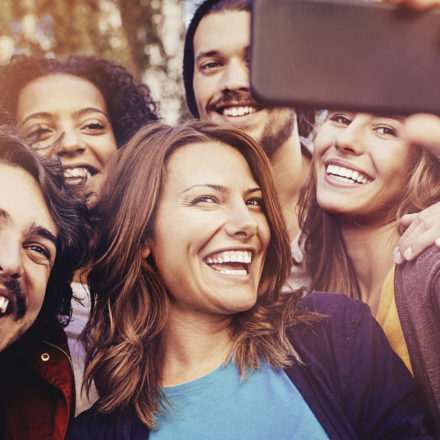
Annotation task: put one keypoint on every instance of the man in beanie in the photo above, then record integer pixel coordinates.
(216, 78)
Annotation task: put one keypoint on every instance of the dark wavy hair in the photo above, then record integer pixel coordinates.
(67, 211)
(130, 301)
(129, 105)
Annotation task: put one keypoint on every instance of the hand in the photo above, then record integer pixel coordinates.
(417, 4)
(423, 231)
(423, 130)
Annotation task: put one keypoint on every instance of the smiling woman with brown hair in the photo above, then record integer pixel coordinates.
(365, 176)
(191, 335)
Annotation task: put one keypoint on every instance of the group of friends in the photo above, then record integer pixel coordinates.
(226, 279)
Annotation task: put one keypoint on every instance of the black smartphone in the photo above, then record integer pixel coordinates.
(351, 55)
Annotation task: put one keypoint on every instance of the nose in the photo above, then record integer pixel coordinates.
(351, 138)
(236, 75)
(70, 144)
(241, 222)
(11, 264)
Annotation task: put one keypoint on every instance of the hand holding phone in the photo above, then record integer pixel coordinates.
(358, 56)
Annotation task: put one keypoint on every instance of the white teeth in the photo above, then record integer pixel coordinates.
(82, 173)
(231, 257)
(238, 111)
(233, 272)
(4, 302)
(347, 174)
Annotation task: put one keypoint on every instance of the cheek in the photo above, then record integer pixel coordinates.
(204, 89)
(264, 234)
(36, 288)
(394, 165)
(104, 148)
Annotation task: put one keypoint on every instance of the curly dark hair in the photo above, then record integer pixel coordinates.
(129, 105)
(68, 211)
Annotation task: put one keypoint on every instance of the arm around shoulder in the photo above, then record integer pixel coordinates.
(417, 293)
(375, 391)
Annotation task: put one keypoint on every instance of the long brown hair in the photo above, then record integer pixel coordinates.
(328, 263)
(130, 301)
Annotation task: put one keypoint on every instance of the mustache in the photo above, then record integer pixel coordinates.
(14, 288)
(232, 97)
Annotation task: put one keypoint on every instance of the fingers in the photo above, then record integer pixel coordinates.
(423, 231)
(417, 4)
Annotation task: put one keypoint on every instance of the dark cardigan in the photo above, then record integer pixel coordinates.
(352, 381)
(417, 294)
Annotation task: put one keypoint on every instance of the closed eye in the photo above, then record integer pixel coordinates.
(204, 199)
(93, 127)
(39, 133)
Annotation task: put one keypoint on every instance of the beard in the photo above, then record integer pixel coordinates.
(271, 140)
(14, 287)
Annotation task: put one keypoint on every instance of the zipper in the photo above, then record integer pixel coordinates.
(62, 351)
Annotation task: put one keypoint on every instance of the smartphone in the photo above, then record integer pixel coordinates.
(350, 55)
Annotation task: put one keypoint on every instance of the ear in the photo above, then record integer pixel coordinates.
(145, 250)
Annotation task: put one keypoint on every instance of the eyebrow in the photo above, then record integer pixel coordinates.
(47, 115)
(220, 188)
(34, 228)
(43, 233)
(399, 118)
(216, 52)
(208, 53)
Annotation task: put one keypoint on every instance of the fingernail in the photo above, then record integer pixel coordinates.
(408, 254)
(397, 255)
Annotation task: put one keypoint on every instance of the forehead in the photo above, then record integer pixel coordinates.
(57, 92)
(25, 205)
(208, 162)
(224, 31)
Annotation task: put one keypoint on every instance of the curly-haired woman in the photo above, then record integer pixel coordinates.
(80, 109)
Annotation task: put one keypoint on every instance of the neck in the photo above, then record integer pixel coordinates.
(370, 249)
(194, 346)
(290, 168)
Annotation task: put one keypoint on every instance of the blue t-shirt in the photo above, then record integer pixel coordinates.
(221, 406)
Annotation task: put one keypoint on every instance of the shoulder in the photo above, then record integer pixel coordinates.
(426, 263)
(344, 333)
(421, 275)
(90, 424)
(93, 424)
(424, 269)
(336, 309)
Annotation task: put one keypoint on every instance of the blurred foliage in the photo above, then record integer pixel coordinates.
(146, 36)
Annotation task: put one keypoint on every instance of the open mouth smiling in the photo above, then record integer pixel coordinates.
(237, 110)
(5, 307)
(78, 174)
(347, 175)
(233, 262)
